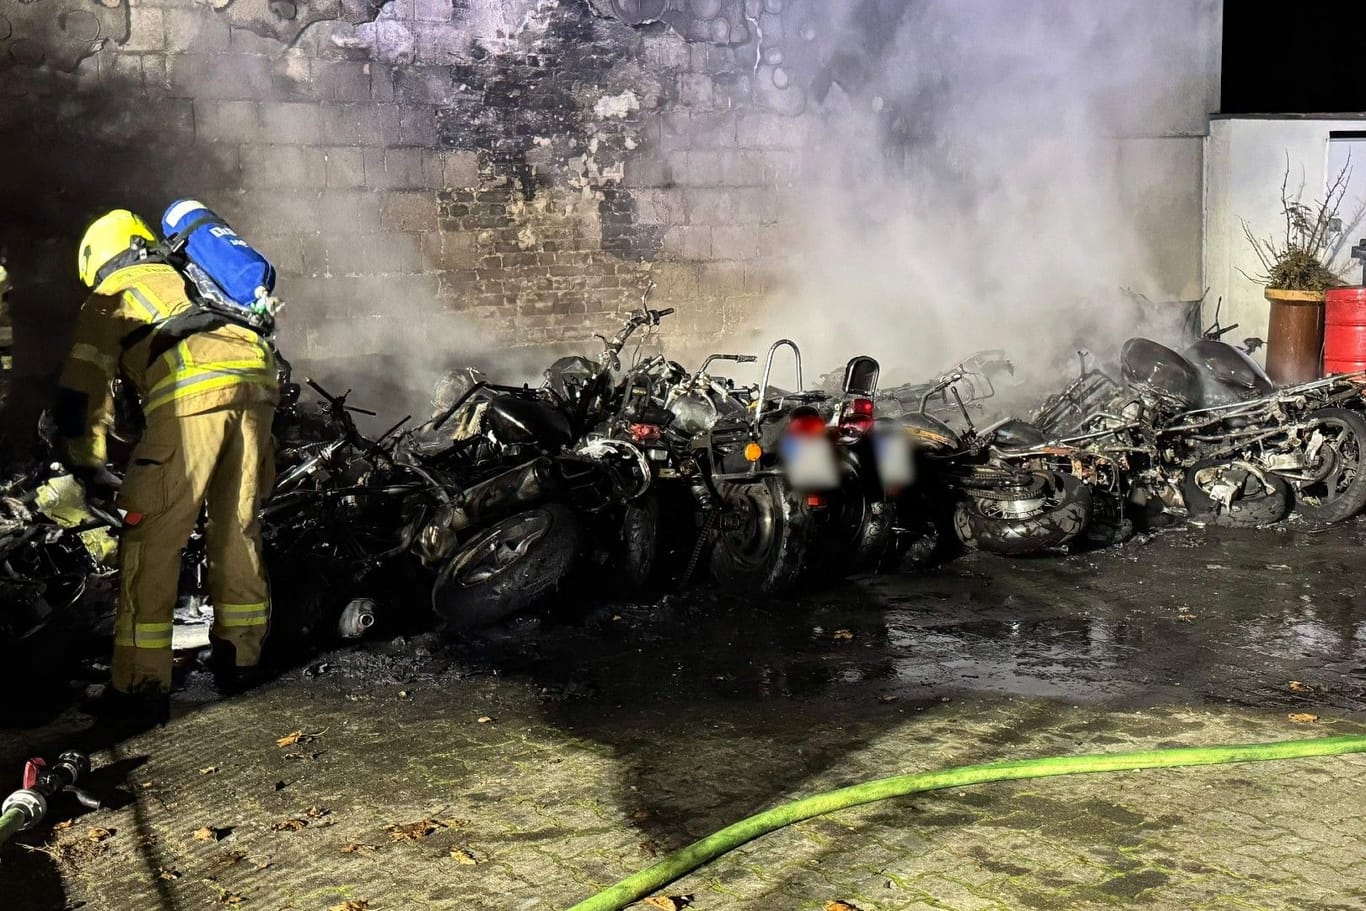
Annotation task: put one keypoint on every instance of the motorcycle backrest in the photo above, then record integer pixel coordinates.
(860, 376)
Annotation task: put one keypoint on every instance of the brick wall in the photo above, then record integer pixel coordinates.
(435, 179)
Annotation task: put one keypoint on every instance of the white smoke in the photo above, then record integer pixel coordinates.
(977, 191)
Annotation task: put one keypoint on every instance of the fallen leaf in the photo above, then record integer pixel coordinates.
(484, 719)
(640, 814)
(1297, 687)
(1186, 616)
(842, 634)
(887, 697)
(210, 833)
(669, 902)
(316, 812)
(351, 906)
(356, 847)
(294, 737)
(165, 873)
(461, 856)
(650, 848)
(1303, 717)
(64, 824)
(838, 906)
(208, 770)
(229, 898)
(413, 831)
(98, 834)
(220, 865)
(288, 825)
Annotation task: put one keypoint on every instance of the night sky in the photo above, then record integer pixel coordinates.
(1297, 57)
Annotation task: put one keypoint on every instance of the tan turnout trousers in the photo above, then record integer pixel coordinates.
(222, 460)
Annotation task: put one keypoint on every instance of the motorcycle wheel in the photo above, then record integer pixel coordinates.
(638, 566)
(508, 568)
(766, 547)
(860, 534)
(1047, 512)
(1341, 491)
(1254, 502)
(1109, 525)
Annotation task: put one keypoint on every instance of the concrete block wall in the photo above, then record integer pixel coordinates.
(435, 179)
(516, 173)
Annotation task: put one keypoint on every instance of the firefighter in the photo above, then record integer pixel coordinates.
(208, 392)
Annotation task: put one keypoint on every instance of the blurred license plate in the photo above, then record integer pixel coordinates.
(893, 451)
(809, 463)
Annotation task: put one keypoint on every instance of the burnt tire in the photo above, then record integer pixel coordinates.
(1048, 512)
(859, 535)
(1110, 524)
(766, 550)
(508, 568)
(1340, 491)
(1257, 499)
(639, 558)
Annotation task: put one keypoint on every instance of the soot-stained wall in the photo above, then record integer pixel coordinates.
(435, 179)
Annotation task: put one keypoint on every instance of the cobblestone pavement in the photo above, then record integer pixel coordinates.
(562, 756)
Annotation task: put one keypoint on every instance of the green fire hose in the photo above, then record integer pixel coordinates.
(11, 823)
(684, 861)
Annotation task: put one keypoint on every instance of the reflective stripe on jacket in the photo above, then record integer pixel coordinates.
(228, 365)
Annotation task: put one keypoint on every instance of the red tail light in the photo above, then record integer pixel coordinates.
(645, 433)
(857, 417)
(808, 424)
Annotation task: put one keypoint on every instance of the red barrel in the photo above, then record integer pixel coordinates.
(1344, 330)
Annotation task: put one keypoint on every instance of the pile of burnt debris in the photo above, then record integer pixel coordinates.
(634, 479)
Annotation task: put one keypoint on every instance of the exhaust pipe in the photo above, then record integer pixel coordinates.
(500, 495)
(356, 618)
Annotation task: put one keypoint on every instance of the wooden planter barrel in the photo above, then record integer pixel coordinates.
(1294, 337)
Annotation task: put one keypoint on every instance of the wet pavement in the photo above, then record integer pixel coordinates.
(561, 754)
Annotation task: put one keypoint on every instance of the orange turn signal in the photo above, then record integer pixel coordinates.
(753, 451)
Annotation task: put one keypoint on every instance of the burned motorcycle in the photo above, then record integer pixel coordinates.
(1240, 449)
(974, 484)
(661, 408)
(554, 491)
(56, 553)
(775, 469)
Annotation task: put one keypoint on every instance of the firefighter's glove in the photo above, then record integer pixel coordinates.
(99, 482)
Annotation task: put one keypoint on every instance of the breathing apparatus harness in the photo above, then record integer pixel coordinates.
(209, 308)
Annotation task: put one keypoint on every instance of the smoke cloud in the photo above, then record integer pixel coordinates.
(981, 181)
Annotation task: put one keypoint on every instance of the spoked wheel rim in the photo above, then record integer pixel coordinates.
(499, 548)
(1339, 461)
(749, 531)
(1018, 509)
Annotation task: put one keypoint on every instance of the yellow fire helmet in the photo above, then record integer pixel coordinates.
(106, 240)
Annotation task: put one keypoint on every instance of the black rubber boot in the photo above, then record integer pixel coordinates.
(123, 714)
(228, 676)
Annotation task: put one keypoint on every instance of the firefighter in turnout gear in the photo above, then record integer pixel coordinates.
(208, 391)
